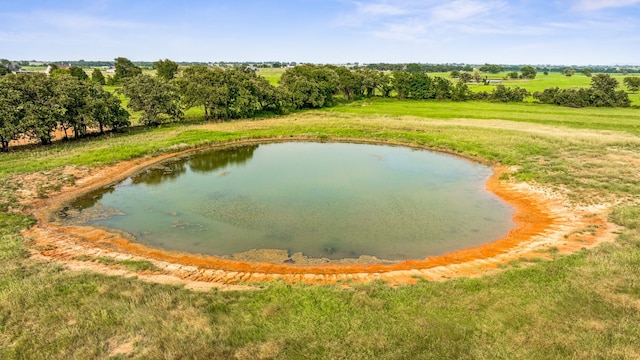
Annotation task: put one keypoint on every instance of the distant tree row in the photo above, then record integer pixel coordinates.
(602, 93)
(33, 106)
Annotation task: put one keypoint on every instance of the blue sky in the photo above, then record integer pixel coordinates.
(578, 32)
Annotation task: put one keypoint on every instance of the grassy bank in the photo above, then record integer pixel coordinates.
(582, 306)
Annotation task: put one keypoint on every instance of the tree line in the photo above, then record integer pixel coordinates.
(34, 105)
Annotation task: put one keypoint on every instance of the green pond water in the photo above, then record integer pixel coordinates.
(325, 200)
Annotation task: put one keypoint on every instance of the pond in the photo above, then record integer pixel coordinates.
(321, 200)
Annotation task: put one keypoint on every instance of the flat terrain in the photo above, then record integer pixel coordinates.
(583, 305)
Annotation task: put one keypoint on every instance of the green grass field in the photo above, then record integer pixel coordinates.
(580, 306)
(271, 74)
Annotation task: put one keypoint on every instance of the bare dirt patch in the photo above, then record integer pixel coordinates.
(545, 225)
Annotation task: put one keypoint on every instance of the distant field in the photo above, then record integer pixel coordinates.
(271, 74)
(542, 82)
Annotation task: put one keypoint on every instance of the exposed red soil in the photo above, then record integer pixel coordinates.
(544, 225)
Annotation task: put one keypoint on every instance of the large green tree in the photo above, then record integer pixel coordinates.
(71, 94)
(310, 86)
(104, 110)
(158, 101)
(491, 68)
(40, 108)
(528, 72)
(166, 69)
(125, 69)
(11, 113)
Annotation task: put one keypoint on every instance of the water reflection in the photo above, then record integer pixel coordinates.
(204, 162)
(332, 201)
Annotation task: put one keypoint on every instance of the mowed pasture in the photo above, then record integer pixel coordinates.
(584, 305)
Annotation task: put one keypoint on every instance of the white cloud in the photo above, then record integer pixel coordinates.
(464, 9)
(593, 5)
(381, 9)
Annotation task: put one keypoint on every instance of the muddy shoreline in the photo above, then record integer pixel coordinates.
(544, 225)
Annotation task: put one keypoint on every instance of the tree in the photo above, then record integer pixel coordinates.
(125, 69)
(465, 77)
(401, 83)
(97, 77)
(508, 94)
(105, 109)
(4, 70)
(349, 82)
(460, 91)
(528, 72)
(71, 94)
(568, 72)
(491, 68)
(166, 69)
(604, 82)
(414, 68)
(310, 86)
(455, 74)
(513, 75)
(587, 72)
(11, 113)
(77, 72)
(39, 110)
(476, 76)
(158, 100)
(632, 83)
(371, 81)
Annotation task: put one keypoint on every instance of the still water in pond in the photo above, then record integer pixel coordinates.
(326, 200)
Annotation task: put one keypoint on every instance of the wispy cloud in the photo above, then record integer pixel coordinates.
(459, 10)
(420, 21)
(593, 5)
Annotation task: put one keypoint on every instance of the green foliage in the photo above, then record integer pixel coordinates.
(528, 72)
(158, 100)
(465, 77)
(125, 69)
(77, 72)
(414, 68)
(632, 83)
(508, 94)
(166, 69)
(602, 93)
(4, 70)
(587, 72)
(33, 105)
(491, 68)
(227, 94)
(309, 86)
(97, 77)
(513, 75)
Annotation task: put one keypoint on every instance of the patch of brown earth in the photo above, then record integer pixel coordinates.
(544, 225)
